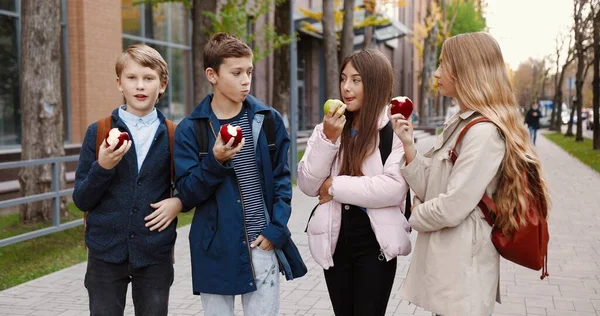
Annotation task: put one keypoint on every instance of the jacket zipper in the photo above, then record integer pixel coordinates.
(243, 211)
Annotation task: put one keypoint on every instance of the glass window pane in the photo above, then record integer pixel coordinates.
(180, 85)
(180, 23)
(131, 18)
(8, 5)
(155, 18)
(128, 42)
(163, 102)
(10, 110)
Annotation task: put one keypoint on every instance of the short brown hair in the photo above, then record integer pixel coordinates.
(221, 46)
(145, 56)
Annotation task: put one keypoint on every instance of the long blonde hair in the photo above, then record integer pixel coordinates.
(475, 63)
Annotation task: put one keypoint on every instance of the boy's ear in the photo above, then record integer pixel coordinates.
(163, 86)
(211, 75)
(119, 84)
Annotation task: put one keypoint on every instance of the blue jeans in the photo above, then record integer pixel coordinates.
(107, 287)
(532, 134)
(262, 302)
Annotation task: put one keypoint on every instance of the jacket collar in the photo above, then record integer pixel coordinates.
(116, 118)
(203, 110)
(452, 125)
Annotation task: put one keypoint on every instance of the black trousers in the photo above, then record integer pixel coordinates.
(361, 280)
(107, 288)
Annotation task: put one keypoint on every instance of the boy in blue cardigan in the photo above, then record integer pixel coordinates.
(131, 222)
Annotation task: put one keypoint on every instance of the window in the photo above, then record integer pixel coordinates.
(131, 18)
(166, 28)
(10, 90)
(10, 113)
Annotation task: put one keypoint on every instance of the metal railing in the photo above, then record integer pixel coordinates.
(55, 194)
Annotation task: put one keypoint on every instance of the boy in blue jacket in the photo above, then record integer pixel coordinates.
(239, 237)
(131, 222)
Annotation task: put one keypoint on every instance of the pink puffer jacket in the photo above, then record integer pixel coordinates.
(382, 191)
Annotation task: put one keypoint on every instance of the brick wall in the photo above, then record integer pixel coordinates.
(95, 42)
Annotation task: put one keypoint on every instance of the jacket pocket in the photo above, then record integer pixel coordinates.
(101, 236)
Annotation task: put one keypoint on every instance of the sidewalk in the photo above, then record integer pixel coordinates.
(573, 287)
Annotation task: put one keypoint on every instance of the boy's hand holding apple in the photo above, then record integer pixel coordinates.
(229, 142)
(113, 149)
(334, 120)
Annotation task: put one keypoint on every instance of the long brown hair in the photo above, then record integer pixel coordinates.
(475, 62)
(377, 77)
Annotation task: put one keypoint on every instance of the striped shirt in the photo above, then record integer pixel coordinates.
(246, 169)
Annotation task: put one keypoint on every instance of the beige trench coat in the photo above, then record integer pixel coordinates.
(454, 270)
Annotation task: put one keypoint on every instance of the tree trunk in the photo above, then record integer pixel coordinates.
(569, 132)
(41, 102)
(429, 62)
(579, 76)
(201, 27)
(331, 52)
(596, 81)
(281, 84)
(347, 30)
(557, 121)
(369, 33)
(579, 89)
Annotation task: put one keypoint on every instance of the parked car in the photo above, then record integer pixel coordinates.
(566, 116)
(545, 121)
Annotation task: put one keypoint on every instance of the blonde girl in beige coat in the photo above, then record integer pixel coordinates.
(454, 270)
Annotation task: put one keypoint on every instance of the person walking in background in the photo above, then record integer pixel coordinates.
(358, 228)
(532, 119)
(455, 268)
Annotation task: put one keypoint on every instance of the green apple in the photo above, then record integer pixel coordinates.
(335, 103)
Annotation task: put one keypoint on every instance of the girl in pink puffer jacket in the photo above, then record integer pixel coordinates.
(359, 228)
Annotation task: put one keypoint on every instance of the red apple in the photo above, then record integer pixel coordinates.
(116, 136)
(402, 105)
(229, 131)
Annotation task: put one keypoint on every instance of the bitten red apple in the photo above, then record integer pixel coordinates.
(229, 131)
(335, 103)
(402, 105)
(114, 135)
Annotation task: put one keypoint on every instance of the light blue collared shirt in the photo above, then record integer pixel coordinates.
(142, 131)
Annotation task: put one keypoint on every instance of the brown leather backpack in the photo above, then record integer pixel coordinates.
(528, 245)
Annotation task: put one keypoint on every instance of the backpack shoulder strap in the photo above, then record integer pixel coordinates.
(486, 204)
(269, 128)
(104, 125)
(386, 138)
(171, 133)
(201, 133)
(453, 155)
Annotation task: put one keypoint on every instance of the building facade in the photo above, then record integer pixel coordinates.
(94, 33)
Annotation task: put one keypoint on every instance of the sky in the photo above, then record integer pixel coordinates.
(528, 28)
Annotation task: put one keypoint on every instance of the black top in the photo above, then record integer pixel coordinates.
(532, 118)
